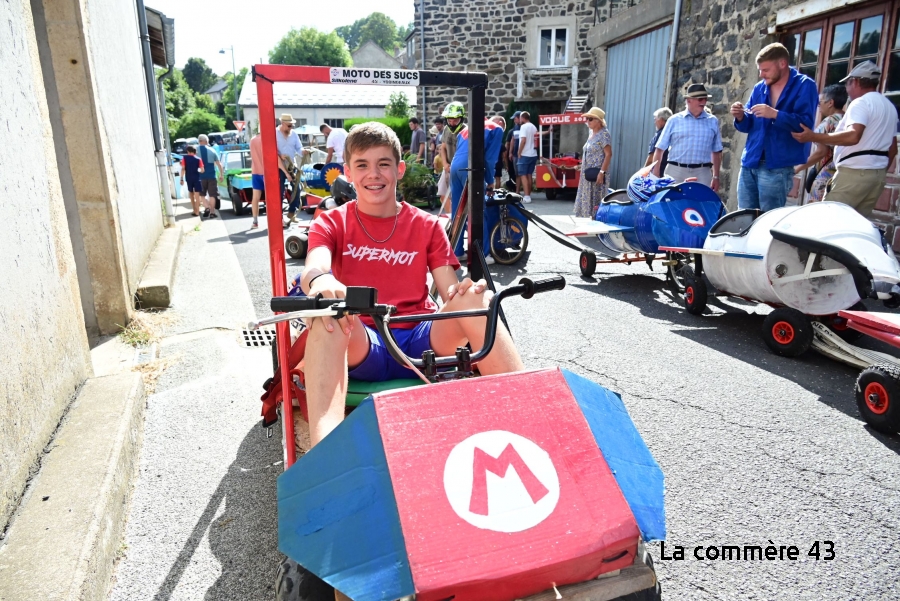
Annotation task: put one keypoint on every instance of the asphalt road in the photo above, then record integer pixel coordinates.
(756, 449)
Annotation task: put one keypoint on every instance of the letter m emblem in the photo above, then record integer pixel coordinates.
(484, 463)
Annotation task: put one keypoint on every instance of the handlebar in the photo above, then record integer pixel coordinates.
(363, 301)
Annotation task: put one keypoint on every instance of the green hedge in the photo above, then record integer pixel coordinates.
(398, 124)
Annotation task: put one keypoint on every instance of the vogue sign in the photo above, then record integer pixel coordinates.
(564, 119)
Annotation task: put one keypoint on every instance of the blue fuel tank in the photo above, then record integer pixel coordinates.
(675, 215)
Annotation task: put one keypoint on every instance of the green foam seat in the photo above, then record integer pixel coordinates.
(358, 390)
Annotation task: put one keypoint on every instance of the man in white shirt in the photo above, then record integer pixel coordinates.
(334, 143)
(527, 154)
(864, 141)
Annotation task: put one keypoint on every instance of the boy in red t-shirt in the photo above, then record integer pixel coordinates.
(391, 246)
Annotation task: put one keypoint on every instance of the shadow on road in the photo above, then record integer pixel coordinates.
(244, 536)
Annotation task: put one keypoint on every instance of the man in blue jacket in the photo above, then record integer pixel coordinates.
(778, 105)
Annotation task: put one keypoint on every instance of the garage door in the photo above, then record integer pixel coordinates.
(635, 85)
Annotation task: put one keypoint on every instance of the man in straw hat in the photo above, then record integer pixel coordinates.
(779, 104)
(863, 140)
(694, 141)
(289, 146)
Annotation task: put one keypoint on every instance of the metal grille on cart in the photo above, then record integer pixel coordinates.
(262, 337)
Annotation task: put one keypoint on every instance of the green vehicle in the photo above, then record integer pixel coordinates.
(236, 183)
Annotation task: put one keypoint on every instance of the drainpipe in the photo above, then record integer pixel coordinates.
(161, 93)
(422, 44)
(670, 73)
(158, 149)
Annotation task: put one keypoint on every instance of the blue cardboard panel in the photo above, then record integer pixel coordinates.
(635, 469)
(337, 514)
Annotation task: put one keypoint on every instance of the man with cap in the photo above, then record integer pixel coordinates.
(863, 141)
(694, 141)
(289, 146)
(779, 105)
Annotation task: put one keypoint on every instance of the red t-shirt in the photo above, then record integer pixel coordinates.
(398, 267)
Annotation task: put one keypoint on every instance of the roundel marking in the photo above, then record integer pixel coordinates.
(693, 218)
(500, 481)
(546, 177)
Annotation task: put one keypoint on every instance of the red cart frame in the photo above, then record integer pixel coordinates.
(265, 77)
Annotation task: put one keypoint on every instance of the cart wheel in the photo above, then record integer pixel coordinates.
(787, 332)
(695, 294)
(878, 397)
(588, 263)
(293, 582)
(551, 193)
(838, 325)
(679, 273)
(295, 247)
(237, 202)
(509, 241)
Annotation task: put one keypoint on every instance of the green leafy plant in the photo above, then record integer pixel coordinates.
(417, 184)
(398, 106)
(400, 125)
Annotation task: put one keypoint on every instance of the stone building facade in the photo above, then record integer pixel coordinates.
(535, 52)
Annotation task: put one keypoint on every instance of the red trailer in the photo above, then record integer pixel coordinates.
(560, 173)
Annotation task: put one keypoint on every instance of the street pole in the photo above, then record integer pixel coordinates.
(234, 76)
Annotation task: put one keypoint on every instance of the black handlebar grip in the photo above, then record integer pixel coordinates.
(532, 287)
(287, 304)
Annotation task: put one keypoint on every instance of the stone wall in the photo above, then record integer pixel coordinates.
(483, 35)
(43, 344)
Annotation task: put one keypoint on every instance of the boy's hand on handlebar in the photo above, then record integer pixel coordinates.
(329, 287)
(465, 286)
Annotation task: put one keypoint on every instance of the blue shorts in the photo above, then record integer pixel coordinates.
(525, 166)
(379, 366)
(257, 182)
(194, 185)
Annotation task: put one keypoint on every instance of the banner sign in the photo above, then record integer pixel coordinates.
(564, 119)
(381, 77)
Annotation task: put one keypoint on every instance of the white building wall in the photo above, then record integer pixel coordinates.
(43, 345)
(126, 138)
(313, 115)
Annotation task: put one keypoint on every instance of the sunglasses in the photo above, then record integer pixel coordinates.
(289, 125)
(590, 119)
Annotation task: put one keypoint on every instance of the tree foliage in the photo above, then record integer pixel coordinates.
(225, 108)
(309, 46)
(381, 29)
(377, 27)
(197, 122)
(198, 75)
(398, 106)
(400, 126)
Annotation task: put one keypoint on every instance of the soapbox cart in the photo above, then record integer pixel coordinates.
(390, 505)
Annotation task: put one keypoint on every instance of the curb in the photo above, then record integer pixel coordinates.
(66, 537)
(155, 288)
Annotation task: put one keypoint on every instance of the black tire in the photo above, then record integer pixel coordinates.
(504, 252)
(695, 294)
(787, 332)
(274, 355)
(551, 193)
(587, 262)
(237, 201)
(878, 397)
(293, 582)
(838, 325)
(295, 246)
(679, 273)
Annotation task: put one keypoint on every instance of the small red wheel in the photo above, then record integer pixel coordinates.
(877, 399)
(783, 332)
(689, 295)
(588, 263)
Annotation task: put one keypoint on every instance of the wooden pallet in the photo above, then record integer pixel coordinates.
(636, 577)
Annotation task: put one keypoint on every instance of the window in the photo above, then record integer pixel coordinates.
(337, 123)
(828, 48)
(553, 47)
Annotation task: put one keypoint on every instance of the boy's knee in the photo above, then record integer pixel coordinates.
(321, 338)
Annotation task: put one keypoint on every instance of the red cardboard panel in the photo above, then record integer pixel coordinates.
(501, 488)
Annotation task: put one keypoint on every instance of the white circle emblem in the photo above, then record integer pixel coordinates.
(500, 481)
(693, 217)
